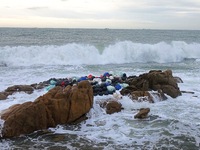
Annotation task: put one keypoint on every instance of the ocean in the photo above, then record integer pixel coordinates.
(33, 55)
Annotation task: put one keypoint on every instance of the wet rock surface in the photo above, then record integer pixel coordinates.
(111, 106)
(58, 106)
(143, 113)
(155, 80)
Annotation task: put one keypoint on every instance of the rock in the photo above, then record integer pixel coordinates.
(171, 91)
(58, 106)
(16, 88)
(141, 96)
(178, 80)
(127, 90)
(154, 80)
(147, 96)
(20, 88)
(143, 112)
(3, 95)
(164, 81)
(113, 107)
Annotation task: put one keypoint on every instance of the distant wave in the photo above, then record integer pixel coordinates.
(118, 53)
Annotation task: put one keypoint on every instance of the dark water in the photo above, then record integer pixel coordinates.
(49, 36)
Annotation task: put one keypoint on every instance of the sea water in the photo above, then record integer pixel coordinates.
(32, 55)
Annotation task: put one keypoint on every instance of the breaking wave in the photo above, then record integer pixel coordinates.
(118, 53)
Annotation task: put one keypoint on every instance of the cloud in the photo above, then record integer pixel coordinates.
(37, 8)
(154, 6)
(7, 6)
(153, 10)
(144, 13)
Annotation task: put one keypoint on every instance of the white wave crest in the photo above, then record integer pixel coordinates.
(118, 53)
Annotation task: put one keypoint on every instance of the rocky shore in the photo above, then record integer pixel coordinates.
(58, 106)
(69, 100)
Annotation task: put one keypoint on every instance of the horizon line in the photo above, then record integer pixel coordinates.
(99, 28)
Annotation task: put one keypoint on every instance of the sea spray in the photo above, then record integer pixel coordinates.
(1, 126)
(85, 54)
(172, 124)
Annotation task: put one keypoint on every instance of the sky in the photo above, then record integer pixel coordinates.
(117, 14)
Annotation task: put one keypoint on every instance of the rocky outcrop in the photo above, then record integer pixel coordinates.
(16, 88)
(111, 106)
(155, 80)
(109, 84)
(58, 106)
(143, 113)
(20, 88)
(24, 88)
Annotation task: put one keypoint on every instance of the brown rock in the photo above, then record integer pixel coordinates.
(113, 106)
(3, 95)
(171, 91)
(159, 71)
(128, 90)
(20, 88)
(166, 83)
(178, 80)
(141, 96)
(58, 106)
(143, 112)
(154, 80)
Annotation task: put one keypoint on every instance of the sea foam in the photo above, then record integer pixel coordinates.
(118, 53)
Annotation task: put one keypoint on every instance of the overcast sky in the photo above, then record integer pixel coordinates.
(132, 14)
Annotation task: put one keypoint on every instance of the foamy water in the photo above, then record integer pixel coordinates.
(172, 124)
(118, 53)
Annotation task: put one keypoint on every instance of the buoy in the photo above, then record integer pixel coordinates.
(82, 79)
(110, 88)
(53, 82)
(106, 74)
(118, 86)
(124, 85)
(108, 81)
